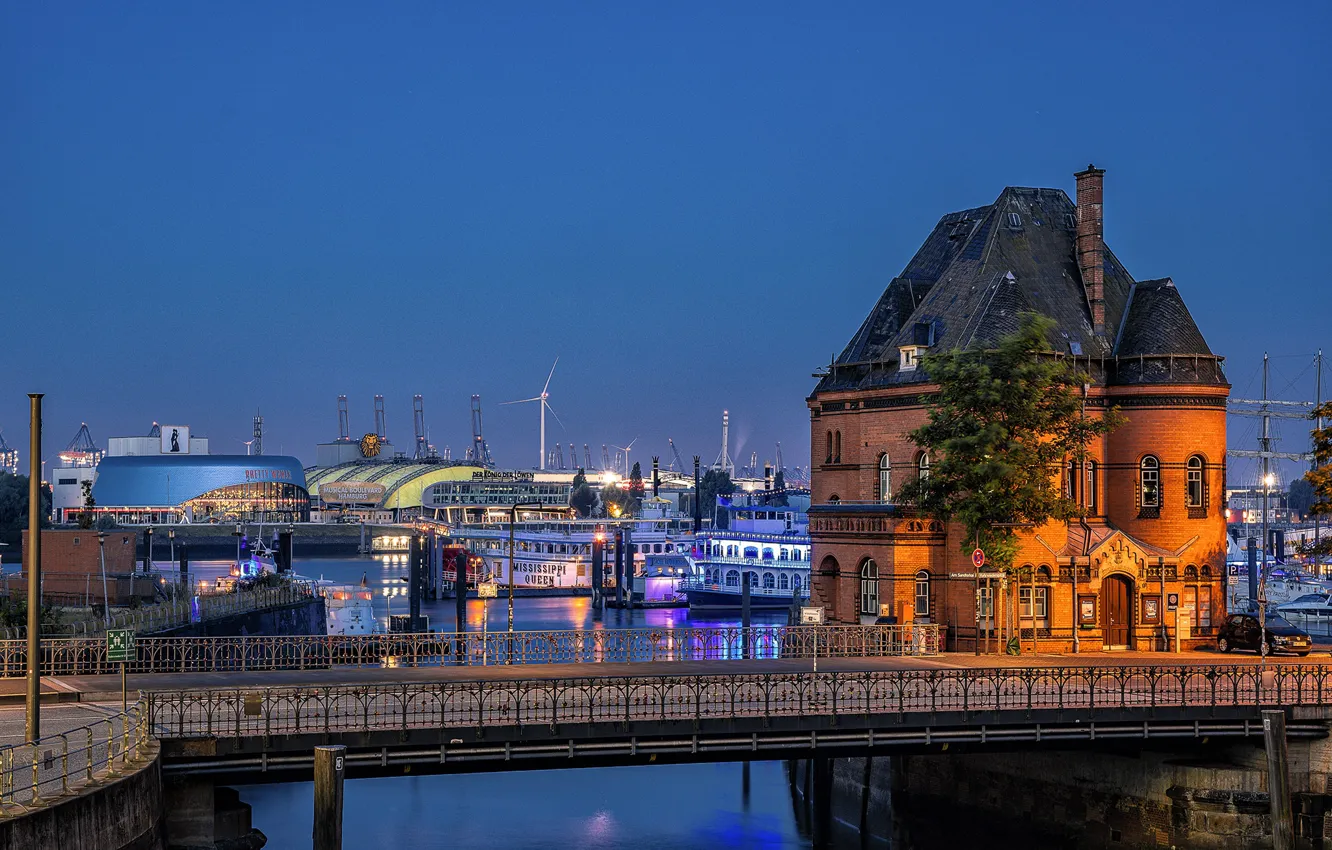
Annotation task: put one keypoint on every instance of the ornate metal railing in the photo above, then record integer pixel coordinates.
(896, 693)
(182, 611)
(36, 772)
(87, 656)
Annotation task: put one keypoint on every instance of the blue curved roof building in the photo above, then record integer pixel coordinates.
(220, 484)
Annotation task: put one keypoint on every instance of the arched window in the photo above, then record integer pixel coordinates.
(783, 582)
(837, 446)
(1194, 494)
(732, 578)
(1091, 487)
(923, 466)
(753, 578)
(829, 457)
(834, 499)
(767, 554)
(769, 582)
(869, 587)
(922, 595)
(885, 479)
(1149, 483)
(795, 582)
(751, 552)
(1072, 490)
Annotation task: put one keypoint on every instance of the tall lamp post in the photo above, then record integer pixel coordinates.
(33, 724)
(106, 598)
(513, 518)
(1268, 480)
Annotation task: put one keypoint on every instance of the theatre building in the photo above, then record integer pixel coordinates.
(1153, 543)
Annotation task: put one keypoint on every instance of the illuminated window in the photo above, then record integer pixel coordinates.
(1149, 482)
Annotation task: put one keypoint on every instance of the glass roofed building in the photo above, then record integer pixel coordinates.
(201, 488)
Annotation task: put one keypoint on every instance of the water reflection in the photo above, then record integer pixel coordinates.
(644, 808)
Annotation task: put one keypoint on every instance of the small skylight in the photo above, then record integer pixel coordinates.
(1014, 220)
(1074, 346)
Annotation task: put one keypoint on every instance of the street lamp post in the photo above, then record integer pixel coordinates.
(106, 599)
(1268, 480)
(513, 518)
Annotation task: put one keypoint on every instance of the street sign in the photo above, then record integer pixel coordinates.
(978, 559)
(487, 590)
(811, 615)
(120, 645)
(1172, 601)
(976, 575)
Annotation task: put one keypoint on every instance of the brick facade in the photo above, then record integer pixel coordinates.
(1125, 561)
(72, 569)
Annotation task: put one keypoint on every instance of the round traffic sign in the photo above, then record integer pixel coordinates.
(978, 559)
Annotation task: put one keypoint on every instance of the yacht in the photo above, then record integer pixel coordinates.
(556, 552)
(766, 545)
(347, 608)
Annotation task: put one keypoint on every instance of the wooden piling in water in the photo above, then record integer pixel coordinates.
(1278, 780)
(329, 768)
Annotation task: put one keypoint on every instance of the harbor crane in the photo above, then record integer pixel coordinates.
(344, 429)
(9, 458)
(587, 457)
(573, 456)
(479, 453)
(723, 462)
(418, 424)
(381, 423)
(559, 456)
(257, 435)
(677, 463)
(605, 459)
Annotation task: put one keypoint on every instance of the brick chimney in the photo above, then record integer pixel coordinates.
(1091, 243)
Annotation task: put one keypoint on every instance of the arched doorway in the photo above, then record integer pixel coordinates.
(1117, 610)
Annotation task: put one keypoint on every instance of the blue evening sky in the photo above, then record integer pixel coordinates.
(206, 208)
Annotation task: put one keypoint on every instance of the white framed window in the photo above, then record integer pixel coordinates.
(1149, 482)
(1193, 493)
(1039, 603)
(922, 594)
(923, 466)
(885, 479)
(869, 587)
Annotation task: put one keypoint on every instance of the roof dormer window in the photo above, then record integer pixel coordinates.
(910, 358)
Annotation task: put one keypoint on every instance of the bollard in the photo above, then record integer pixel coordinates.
(329, 768)
(64, 763)
(460, 601)
(1278, 780)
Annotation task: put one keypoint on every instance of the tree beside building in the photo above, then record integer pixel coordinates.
(1135, 519)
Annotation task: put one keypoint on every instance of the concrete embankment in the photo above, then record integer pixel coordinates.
(125, 813)
(1204, 797)
(307, 617)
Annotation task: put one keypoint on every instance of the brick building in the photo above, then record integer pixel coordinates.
(1153, 489)
(72, 568)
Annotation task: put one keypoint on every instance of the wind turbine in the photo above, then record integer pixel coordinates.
(544, 405)
(627, 465)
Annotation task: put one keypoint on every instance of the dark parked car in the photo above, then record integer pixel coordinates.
(1242, 631)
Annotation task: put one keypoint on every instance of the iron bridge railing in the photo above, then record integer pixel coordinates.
(55, 766)
(1017, 692)
(87, 656)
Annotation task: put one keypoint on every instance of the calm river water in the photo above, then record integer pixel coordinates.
(646, 808)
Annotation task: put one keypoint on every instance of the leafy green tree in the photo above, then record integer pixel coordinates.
(582, 497)
(636, 488)
(1300, 497)
(1002, 425)
(713, 484)
(614, 501)
(86, 515)
(778, 498)
(1320, 477)
(14, 509)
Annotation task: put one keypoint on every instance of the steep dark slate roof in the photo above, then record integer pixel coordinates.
(980, 268)
(1157, 322)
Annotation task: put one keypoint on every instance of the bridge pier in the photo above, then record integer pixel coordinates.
(200, 815)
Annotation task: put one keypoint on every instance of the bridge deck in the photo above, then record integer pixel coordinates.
(104, 687)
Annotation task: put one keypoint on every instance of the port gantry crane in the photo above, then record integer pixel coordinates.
(676, 460)
(479, 453)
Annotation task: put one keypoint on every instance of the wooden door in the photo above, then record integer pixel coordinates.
(1116, 593)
